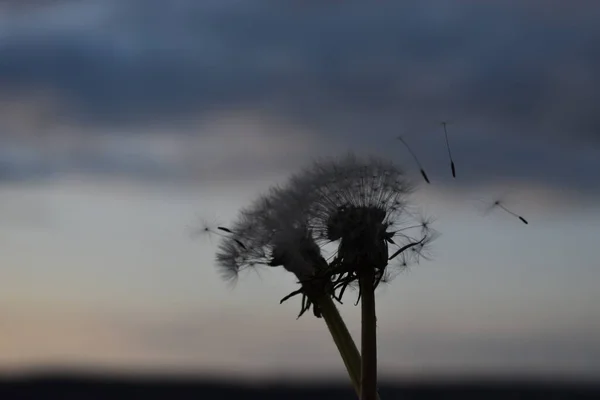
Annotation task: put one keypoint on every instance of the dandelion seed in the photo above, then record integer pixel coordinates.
(499, 204)
(239, 242)
(449, 152)
(402, 250)
(415, 158)
(207, 228)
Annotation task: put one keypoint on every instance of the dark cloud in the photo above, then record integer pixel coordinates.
(148, 57)
(519, 78)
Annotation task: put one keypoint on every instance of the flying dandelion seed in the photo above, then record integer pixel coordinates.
(415, 158)
(207, 228)
(448, 147)
(499, 204)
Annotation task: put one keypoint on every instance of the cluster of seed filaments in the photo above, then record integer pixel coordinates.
(379, 189)
(349, 220)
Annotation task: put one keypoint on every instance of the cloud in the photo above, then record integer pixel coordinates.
(133, 61)
(519, 79)
(231, 147)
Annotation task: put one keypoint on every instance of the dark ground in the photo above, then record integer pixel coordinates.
(105, 387)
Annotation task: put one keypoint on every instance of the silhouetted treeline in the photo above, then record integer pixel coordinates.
(150, 389)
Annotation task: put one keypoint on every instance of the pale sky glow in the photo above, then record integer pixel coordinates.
(124, 123)
(112, 277)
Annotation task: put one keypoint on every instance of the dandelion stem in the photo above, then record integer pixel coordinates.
(368, 336)
(343, 340)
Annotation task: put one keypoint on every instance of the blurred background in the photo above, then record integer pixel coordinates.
(126, 125)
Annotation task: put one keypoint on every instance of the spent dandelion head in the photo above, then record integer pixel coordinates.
(362, 205)
(272, 232)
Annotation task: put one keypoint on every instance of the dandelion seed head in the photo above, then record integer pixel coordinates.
(362, 204)
(270, 232)
(339, 194)
(245, 246)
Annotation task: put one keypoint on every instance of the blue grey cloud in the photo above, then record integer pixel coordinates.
(519, 78)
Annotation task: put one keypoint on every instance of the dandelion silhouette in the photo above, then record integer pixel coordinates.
(362, 205)
(448, 147)
(415, 158)
(274, 233)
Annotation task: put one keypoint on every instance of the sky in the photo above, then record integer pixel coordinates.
(127, 124)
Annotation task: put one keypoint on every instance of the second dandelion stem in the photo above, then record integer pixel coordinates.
(368, 336)
(343, 340)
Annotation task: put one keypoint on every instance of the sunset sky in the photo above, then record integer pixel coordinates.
(125, 123)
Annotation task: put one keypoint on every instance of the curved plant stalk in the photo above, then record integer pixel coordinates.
(343, 340)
